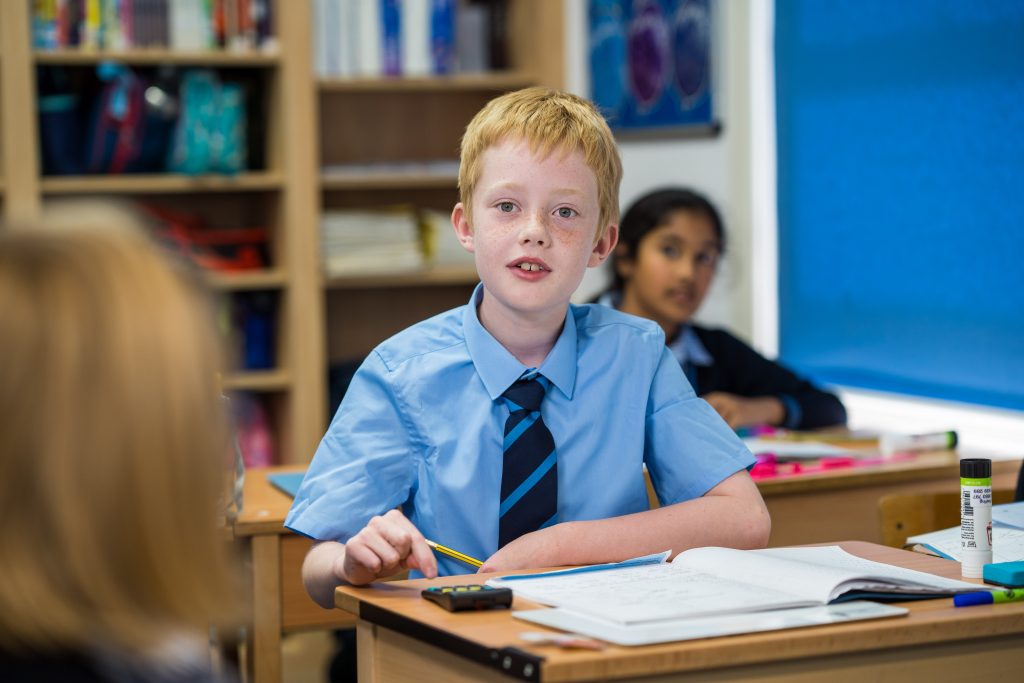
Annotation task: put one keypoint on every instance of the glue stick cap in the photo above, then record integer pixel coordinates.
(976, 468)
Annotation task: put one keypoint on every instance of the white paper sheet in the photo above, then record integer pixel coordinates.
(800, 449)
(1009, 515)
(706, 627)
(1007, 543)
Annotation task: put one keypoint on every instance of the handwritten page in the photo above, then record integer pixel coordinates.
(650, 593)
(1007, 543)
(1009, 515)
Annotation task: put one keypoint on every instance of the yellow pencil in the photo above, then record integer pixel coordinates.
(455, 553)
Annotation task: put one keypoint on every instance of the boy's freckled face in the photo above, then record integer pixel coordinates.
(533, 226)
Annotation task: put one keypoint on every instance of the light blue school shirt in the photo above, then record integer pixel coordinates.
(686, 347)
(691, 354)
(422, 423)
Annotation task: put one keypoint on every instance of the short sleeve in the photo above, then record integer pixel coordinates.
(689, 449)
(364, 465)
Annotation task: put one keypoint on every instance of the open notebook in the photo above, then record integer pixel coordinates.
(719, 581)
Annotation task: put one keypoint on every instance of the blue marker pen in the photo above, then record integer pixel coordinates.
(988, 597)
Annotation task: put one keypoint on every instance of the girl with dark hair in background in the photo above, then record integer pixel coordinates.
(670, 243)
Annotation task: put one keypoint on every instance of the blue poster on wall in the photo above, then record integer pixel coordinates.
(650, 63)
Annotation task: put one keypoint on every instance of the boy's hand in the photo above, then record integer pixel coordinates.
(385, 546)
(742, 412)
(541, 548)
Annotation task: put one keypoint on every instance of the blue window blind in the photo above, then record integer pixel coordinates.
(901, 195)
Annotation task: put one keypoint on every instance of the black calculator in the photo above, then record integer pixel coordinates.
(470, 597)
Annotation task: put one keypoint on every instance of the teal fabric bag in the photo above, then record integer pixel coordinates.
(211, 132)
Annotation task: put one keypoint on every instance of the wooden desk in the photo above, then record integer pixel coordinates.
(279, 601)
(843, 503)
(809, 508)
(403, 637)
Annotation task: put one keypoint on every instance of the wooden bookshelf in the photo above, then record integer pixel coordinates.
(310, 123)
(427, 277)
(387, 181)
(283, 197)
(366, 122)
(258, 381)
(155, 57)
(271, 278)
(498, 82)
(161, 183)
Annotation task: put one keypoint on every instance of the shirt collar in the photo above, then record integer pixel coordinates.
(687, 347)
(498, 368)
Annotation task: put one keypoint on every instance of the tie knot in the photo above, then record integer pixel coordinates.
(526, 394)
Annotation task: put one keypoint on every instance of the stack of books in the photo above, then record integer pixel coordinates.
(408, 38)
(369, 242)
(442, 244)
(175, 24)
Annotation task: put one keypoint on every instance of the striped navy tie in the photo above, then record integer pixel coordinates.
(529, 475)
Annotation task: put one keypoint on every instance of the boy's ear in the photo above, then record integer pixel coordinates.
(603, 247)
(462, 228)
(623, 262)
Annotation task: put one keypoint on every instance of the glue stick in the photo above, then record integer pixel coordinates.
(975, 516)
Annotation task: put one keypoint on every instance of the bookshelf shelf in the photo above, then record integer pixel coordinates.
(428, 277)
(147, 57)
(308, 124)
(386, 141)
(273, 278)
(160, 183)
(498, 81)
(387, 181)
(277, 79)
(262, 380)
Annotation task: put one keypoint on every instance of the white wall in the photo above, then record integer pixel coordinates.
(737, 171)
(719, 166)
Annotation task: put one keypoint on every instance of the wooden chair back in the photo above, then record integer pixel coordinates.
(902, 515)
(652, 497)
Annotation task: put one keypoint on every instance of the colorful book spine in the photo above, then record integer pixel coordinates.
(416, 37)
(368, 33)
(391, 37)
(185, 25)
(442, 36)
(44, 24)
(90, 31)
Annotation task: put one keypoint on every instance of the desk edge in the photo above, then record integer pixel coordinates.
(511, 661)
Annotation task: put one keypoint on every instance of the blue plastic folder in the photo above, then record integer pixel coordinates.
(656, 558)
(288, 482)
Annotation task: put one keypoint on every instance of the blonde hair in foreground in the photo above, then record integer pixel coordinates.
(112, 445)
(549, 121)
